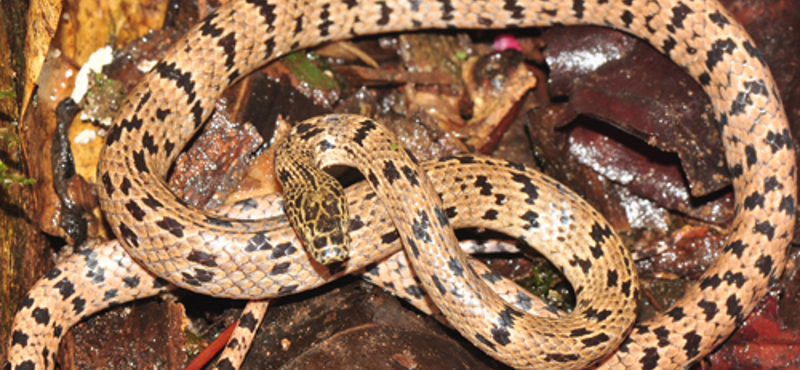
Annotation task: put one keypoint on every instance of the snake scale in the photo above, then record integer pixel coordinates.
(220, 256)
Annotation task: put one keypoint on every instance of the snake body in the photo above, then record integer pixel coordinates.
(214, 255)
(94, 280)
(607, 295)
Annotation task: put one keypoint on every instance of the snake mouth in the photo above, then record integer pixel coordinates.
(329, 247)
(331, 254)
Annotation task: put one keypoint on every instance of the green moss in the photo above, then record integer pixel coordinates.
(309, 68)
(546, 282)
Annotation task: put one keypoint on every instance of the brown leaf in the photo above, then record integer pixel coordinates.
(88, 25)
(148, 335)
(624, 82)
(43, 16)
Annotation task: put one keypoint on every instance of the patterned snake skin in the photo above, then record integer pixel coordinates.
(214, 255)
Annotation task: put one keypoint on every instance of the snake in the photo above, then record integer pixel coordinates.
(109, 269)
(192, 249)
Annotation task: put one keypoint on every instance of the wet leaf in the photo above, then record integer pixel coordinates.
(622, 81)
(762, 342)
(303, 65)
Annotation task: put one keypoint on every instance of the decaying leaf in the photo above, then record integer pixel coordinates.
(43, 18)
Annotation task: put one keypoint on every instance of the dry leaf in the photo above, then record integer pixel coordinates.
(42, 24)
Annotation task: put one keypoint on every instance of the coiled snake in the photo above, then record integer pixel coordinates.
(256, 259)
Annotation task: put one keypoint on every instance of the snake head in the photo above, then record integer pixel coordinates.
(318, 212)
